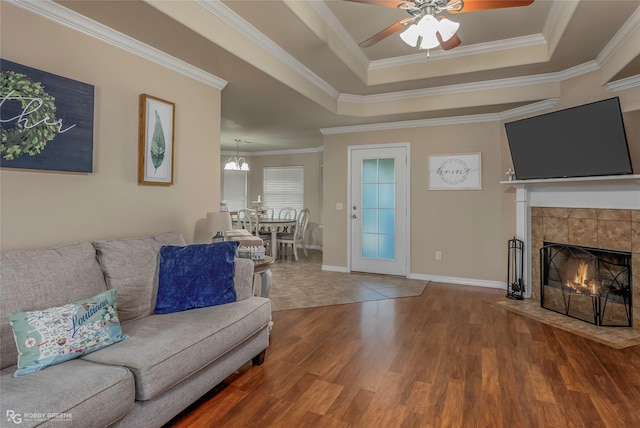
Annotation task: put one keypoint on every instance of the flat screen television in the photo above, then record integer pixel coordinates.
(583, 141)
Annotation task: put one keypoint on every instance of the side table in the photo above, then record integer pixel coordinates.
(261, 267)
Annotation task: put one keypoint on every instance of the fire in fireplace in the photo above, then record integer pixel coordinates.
(590, 284)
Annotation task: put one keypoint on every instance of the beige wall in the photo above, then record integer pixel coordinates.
(312, 163)
(41, 209)
(458, 223)
(471, 228)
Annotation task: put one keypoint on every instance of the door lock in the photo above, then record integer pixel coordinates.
(354, 216)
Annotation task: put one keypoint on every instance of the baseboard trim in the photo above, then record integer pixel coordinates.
(329, 268)
(435, 278)
(459, 281)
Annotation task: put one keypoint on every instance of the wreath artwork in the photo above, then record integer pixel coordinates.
(462, 171)
(453, 171)
(35, 125)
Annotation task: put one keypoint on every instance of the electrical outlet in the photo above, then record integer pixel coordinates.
(438, 255)
(339, 206)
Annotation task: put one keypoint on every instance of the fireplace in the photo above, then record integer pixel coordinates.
(592, 212)
(590, 284)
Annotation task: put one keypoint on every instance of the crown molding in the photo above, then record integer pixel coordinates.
(552, 19)
(223, 12)
(273, 152)
(624, 84)
(528, 109)
(61, 15)
(510, 82)
(624, 33)
(419, 123)
(336, 26)
(475, 49)
(454, 120)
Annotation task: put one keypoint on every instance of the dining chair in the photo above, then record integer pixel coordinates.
(251, 221)
(297, 237)
(288, 213)
(268, 212)
(247, 220)
(264, 232)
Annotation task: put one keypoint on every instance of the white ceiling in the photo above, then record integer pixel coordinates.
(294, 67)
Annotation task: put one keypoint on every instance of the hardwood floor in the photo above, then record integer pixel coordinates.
(447, 358)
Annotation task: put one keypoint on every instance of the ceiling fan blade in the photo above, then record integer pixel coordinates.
(453, 42)
(400, 25)
(393, 4)
(473, 5)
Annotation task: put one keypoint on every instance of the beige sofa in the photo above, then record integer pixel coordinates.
(167, 362)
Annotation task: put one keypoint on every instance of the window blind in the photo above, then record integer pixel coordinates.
(235, 189)
(283, 187)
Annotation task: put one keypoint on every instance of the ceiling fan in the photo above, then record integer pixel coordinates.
(426, 30)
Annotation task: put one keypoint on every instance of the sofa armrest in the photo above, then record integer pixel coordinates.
(243, 278)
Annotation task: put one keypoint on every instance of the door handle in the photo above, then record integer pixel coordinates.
(354, 216)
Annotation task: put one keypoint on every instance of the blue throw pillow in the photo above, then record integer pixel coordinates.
(195, 276)
(52, 336)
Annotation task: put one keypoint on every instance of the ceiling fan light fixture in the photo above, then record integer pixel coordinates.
(428, 27)
(447, 29)
(411, 35)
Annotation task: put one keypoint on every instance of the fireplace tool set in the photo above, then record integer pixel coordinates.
(515, 260)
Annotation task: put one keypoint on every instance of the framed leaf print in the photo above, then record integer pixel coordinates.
(155, 163)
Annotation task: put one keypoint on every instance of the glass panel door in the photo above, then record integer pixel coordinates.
(378, 236)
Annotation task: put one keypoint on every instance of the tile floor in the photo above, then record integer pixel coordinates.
(303, 284)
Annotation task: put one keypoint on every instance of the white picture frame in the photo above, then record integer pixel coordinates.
(461, 171)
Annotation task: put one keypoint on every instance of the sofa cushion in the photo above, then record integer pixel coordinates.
(170, 238)
(130, 266)
(195, 276)
(162, 350)
(55, 335)
(82, 393)
(39, 279)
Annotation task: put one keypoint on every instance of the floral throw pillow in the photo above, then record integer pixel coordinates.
(51, 336)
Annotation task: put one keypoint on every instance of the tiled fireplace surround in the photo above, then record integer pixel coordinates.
(591, 212)
(611, 229)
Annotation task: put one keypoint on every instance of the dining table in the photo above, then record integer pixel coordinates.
(274, 224)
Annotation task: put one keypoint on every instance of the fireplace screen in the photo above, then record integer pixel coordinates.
(593, 285)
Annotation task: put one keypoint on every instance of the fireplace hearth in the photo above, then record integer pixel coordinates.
(590, 284)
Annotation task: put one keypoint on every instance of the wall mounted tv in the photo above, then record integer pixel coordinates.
(587, 140)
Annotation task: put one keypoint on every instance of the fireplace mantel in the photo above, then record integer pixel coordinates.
(606, 192)
(632, 180)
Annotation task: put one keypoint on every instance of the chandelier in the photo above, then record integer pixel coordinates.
(237, 163)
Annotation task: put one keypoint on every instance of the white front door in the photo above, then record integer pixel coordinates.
(378, 209)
